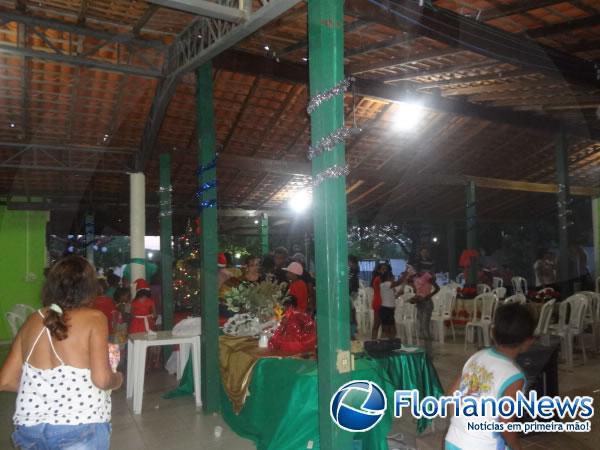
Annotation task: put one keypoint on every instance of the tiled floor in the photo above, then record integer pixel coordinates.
(176, 425)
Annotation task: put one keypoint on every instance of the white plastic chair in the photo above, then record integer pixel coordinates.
(364, 311)
(592, 316)
(452, 285)
(497, 282)
(483, 288)
(574, 327)
(519, 285)
(405, 317)
(14, 322)
(446, 299)
(517, 298)
(543, 325)
(22, 310)
(499, 292)
(486, 303)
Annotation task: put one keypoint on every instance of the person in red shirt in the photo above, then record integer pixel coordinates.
(297, 289)
(107, 305)
(142, 309)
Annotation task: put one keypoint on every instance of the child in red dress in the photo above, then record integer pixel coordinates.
(143, 314)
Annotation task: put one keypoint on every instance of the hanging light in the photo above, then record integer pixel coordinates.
(256, 222)
(300, 201)
(407, 115)
(434, 240)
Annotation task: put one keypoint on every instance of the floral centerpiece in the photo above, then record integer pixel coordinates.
(543, 295)
(262, 299)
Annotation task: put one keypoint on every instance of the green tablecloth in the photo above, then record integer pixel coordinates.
(281, 410)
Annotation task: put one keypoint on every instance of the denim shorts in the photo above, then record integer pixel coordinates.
(92, 436)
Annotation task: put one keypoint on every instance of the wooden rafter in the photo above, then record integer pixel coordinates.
(564, 27)
(144, 19)
(81, 15)
(515, 8)
(467, 33)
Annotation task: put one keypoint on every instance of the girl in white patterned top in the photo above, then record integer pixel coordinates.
(58, 365)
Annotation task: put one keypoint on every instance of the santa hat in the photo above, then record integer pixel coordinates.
(140, 284)
(221, 260)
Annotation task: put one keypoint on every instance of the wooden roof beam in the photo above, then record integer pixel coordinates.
(238, 61)
(564, 27)
(469, 34)
(356, 69)
(516, 8)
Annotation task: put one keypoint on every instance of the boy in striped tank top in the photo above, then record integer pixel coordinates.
(492, 372)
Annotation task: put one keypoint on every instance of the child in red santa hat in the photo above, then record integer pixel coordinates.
(143, 312)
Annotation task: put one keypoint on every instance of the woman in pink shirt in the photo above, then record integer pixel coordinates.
(425, 289)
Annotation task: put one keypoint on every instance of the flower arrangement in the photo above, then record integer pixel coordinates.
(258, 299)
(543, 295)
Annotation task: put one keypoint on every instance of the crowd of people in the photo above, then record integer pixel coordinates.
(290, 272)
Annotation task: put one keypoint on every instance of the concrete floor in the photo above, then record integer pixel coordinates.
(176, 425)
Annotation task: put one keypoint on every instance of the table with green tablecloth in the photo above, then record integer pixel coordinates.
(281, 411)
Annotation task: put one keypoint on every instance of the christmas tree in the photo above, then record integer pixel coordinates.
(187, 269)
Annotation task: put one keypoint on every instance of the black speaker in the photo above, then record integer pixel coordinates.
(382, 347)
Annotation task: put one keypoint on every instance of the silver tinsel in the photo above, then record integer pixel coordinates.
(166, 213)
(329, 142)
(165, 189)
(332, 172)
(321, 97)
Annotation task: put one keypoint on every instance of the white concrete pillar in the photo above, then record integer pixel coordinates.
(137, 209)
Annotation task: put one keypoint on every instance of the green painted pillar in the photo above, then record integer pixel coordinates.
(205, 126)
(264, 234)
(472, 230)
(326, 69)
(166, 249)
(564, 218)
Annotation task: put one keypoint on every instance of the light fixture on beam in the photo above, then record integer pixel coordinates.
(300, 201)
(407, 115)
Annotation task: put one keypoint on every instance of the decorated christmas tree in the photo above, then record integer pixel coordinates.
(186, 271)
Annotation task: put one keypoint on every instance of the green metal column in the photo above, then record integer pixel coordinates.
(264, 234)
(166, 250)
(562, 178)
(205, 126)
(326, 69)
(472, 230)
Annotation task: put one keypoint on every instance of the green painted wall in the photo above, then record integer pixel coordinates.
(22, 251)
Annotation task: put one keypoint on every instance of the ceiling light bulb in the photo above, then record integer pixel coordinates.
(407, 115)
(300, 201)
(12, 125)
(256, 222)
(267, 48)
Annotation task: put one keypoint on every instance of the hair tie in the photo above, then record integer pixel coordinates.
(57, 309)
